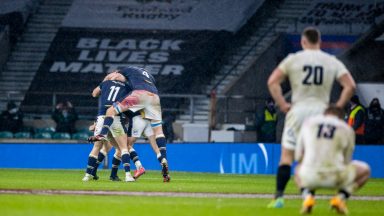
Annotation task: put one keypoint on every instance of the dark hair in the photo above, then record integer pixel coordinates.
(334, 110)
(312, 34)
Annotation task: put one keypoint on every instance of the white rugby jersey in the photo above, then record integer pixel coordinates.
(311, 74)
(326, 142)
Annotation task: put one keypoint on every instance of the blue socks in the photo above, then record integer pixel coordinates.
(100, 159)
(134, 155)
(161, 143)
(115, 166)
(125, 159)
(91, 165)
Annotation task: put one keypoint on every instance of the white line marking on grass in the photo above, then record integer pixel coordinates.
(168, 194)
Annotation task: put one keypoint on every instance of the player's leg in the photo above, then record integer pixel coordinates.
(284, 170)
(161, 143)
(92, 161)
(116, 161)
(282, 177)
(119, 133)
(125, 157)
(355, 176)
(152, 111)
(307, 194)
(152, 142)
(140, 170)
(135, 130)
(101, 156)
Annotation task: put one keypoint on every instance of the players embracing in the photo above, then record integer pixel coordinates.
(144, 96)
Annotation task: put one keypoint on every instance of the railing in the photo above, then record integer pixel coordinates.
(183, 101)
(243, 56)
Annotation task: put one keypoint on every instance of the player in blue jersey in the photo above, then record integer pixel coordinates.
(109, 92)
(144, 96)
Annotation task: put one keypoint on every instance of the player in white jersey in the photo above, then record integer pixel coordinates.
(139, 127)
(324, 151)
(311, 73)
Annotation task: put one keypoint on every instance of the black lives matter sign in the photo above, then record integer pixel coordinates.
(79, 58)
(160, 56)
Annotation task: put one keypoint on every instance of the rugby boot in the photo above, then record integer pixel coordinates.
(339, 205)
(276, 203)
(138, 173)
(114, 178)
(307, 205)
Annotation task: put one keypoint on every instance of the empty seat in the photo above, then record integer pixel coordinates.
(23, 135)
(6, 134)
(42, 135)
(80, 136)
(59, 135)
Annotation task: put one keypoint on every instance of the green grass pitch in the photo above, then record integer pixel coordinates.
(159, 205)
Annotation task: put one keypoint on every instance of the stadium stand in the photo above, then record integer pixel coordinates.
(6, 134)
(22, 135)
(32, 46)
(182, 53)
(65, 50)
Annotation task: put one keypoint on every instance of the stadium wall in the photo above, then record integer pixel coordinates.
(225, 158)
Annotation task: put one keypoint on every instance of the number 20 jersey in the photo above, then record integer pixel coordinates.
(111, 91)
(311, 74)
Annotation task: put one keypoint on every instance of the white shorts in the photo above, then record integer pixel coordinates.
(138, 127)
(293, 121)
(141, 100)
(117, 128)
(338, 179)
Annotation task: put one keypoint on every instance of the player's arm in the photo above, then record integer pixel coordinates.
(96, 92)
(349, 87)
(115, 76)
(274, 86)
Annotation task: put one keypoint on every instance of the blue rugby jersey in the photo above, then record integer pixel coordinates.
(111, 91)
(139, 79)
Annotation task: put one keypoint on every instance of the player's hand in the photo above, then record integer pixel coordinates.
(92, 127)
(285, 107)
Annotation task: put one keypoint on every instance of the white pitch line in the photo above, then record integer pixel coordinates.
(169, 194)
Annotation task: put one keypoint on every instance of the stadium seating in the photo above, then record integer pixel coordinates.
(80, 136)
(61, 136)
(42, 135)
(50, 130)
(23, 135)
(6, 134)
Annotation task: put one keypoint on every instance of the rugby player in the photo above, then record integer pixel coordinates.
(311, 73)
(138, 127)
(324, 151)
(144, 96)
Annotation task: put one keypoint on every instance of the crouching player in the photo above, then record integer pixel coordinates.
(324, 153)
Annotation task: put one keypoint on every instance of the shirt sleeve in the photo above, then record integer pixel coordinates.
(285, 64)
(340, 68)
